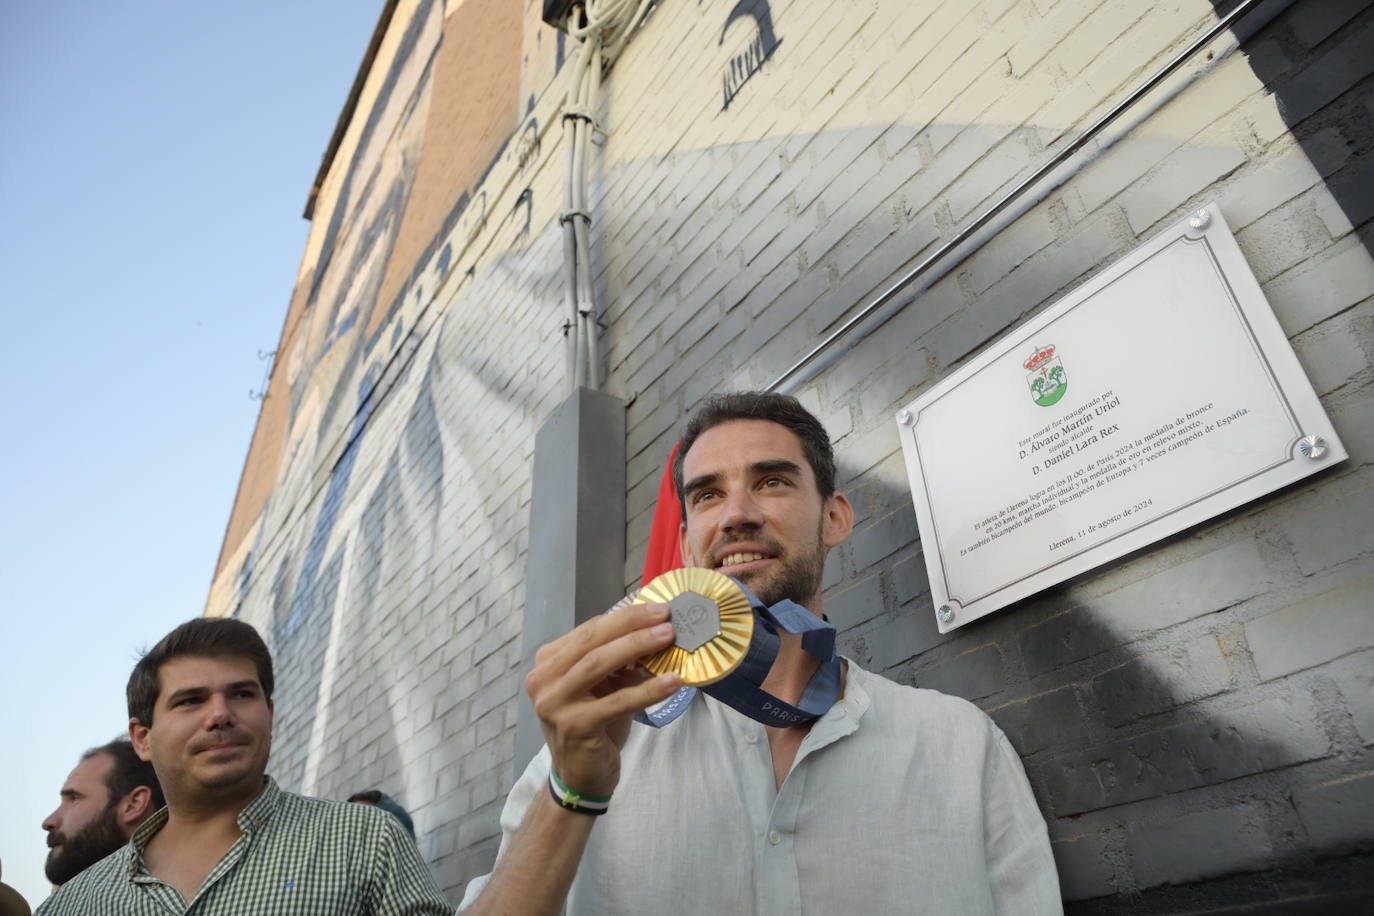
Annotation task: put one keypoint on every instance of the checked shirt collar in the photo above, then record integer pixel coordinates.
(254, 815)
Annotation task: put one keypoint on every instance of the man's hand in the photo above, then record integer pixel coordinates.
(587, 686)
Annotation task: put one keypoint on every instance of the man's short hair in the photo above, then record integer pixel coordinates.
(204, 637)
(782, 409)
(128, 772)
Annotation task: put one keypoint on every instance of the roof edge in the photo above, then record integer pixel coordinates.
(350, 106)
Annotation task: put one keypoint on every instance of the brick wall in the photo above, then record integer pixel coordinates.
(1196, 719)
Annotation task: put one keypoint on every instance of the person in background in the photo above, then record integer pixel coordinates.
(230, 841)
(12, 902)
(379, 799)
(104, 800)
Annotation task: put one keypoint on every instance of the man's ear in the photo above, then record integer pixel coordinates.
(138, 735)
(839, 520)
(134, 808)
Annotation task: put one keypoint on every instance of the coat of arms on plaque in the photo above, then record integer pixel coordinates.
(1045, 376)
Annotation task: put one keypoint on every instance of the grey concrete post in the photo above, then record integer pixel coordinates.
(577, 532)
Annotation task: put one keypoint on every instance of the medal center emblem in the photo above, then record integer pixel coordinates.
(712, 620)
(695, 619)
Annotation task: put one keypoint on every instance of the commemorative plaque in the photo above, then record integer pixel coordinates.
(1156, 396)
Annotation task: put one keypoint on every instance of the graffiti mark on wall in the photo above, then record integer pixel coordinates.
(526, 202)
(742, 67)
(527, 147)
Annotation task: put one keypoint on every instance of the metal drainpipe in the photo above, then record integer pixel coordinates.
(1241, 10)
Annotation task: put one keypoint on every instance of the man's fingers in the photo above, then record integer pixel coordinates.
(597, 665)
(633, 699)
(592, 715)
(629, 676)
(586, 685)
(555, 658)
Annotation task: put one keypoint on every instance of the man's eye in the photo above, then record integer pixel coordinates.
(703, 497)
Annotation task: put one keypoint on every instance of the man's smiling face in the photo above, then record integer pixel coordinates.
(754, 511)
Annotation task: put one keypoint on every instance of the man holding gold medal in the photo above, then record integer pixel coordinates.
(799, 782)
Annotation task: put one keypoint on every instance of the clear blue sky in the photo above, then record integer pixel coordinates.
(155, 158)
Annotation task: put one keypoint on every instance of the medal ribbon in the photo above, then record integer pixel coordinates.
(741, 689)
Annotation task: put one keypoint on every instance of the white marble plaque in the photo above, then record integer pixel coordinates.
(1156, 396)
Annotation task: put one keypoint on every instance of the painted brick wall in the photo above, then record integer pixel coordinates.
(1196, 720)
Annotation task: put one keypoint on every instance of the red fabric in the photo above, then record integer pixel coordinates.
(665, 547)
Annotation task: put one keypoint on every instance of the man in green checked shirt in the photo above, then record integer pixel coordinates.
(230, 842)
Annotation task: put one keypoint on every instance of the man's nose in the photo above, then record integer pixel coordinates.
(217, 712)
(50, 823)
(741, 511)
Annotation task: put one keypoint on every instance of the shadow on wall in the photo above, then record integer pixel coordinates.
(393, 546)
(1278, 57)
(1171, 783)
(335, 619)
(373, 612)
(300, 614)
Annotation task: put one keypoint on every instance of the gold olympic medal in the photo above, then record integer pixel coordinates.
(712, 621)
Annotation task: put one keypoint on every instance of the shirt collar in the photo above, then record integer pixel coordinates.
(842, 719)
(856, 698)
(253, 815)
(257, 811)
(139, 841)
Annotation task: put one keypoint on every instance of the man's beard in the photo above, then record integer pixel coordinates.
(798, 579)
(78, 852)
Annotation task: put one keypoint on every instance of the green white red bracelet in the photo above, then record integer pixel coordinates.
(574, 800)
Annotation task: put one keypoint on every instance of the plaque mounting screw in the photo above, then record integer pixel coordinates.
(1312, 446)
(945, 613)
(904, 417)
(1200, 219)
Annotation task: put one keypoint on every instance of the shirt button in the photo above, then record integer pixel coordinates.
(774, 838)
(751, 738)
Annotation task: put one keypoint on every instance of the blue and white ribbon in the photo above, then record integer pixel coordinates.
(742, 688)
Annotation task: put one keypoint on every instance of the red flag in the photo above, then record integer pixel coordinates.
(665, 546)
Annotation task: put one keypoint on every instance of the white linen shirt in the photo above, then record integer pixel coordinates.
(899, 800)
